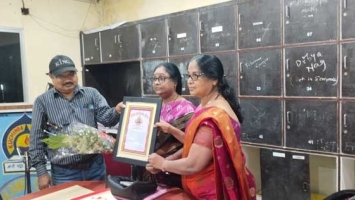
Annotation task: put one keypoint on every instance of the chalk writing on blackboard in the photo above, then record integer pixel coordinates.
(313, 67)
(349, 147)
(307, 2)
(257, 63)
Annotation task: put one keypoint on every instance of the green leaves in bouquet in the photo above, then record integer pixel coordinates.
(55, 141)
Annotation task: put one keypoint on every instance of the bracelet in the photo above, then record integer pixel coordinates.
(163, 167)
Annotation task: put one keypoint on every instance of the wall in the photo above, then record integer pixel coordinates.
(118, 11)
(51, 28)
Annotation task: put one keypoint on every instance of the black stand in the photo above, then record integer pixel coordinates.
(27, 172)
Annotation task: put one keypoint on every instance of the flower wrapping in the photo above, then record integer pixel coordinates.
(80, 139)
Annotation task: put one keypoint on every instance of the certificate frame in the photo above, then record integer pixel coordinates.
(136, 135)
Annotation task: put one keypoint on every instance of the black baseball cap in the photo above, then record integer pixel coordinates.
(60, 64)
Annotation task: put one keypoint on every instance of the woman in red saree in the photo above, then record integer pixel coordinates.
(212, 163)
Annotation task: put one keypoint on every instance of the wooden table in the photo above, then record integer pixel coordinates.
(91, 185)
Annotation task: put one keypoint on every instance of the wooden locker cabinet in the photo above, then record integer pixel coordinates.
(259, 24)
(217, 28)
(311, 125)
(348, 69)
(262, 121)
(310, 21)
(154, 38)
(260, 72)
(91, 48)
(348, 19)
(121, 43)
(285, 175)
(311, 71)
(182, 34)
(348, 127)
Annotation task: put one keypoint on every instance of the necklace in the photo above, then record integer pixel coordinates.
(177, 96)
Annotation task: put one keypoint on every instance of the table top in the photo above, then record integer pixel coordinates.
(91, 185)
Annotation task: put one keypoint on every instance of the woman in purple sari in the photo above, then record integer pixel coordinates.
(176, 110)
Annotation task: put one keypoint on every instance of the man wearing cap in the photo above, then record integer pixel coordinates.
(65, 103)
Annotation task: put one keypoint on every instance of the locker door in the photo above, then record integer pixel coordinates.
(154, 38)
(348, 70)
(259, 23)
(348, 19)
(260, 72)
(182, 34)
(262, 121)
(91, 43)
(309, 21)
(311, 125)
(348, 127)
(217, 28)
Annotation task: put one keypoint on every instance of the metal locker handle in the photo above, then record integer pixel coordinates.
(305, 186)
(201, 26)
(239, 19)
(287, 64)
(288, 119)
(344, 65)
(95, 42)
(240, 67)
(115, 39)
(287, 11)
(345, 4)
(345, 120)
(169, 30)
(119, 38)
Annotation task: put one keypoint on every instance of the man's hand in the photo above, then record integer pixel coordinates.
(119, 107)
(44, 182)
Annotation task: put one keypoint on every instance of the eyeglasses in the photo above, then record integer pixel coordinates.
(160, 79)
(193, 77)
(69, 76)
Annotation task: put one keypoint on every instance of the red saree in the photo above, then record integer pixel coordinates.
(227, 175)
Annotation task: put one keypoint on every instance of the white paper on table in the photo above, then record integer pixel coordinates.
(66, 194)
(100, 194)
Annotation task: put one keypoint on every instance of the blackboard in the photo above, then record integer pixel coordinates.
(217, 28)
(182, 34)
(229, 62)
(311, 71)
(153, 38)
(262, 121)
(311, 125)
(114, 81)
(148, 67)
(310, 20)
(284, 175)
(348, 19)
(259, 23)
(181, 63)
(348, 70)
(260, 72)
(348, 127)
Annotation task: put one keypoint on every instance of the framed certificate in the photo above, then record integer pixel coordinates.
(136, 132)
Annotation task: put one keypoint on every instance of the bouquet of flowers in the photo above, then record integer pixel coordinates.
(80, 139)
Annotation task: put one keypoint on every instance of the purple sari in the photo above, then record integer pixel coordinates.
(177, 113)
